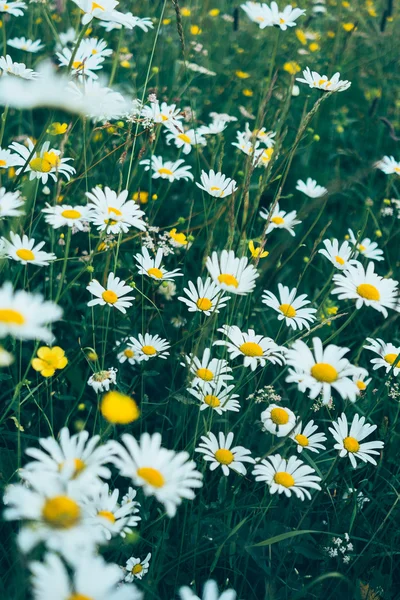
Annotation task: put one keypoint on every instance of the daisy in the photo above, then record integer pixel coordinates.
(8, 67)
(12, 8)
(366, 248)
(152, 266)
(126, 353)
(232, 274)
(94, 46)
(102, 380)
(105, 513)
(322, 82)
(95, 101)
(207, 298)
(25, 44)
(287, 476)
(290, 308)
(310, 188)
(388, 355)
(63, 215)
(307, 439)
(85, 63)
(220, 453)
(266, 137)
(283, 19)
(348, 442)
(25, 316)
(23, 250)
(359, 378)
(258, 13)
(388, 165)
(7, 159)
(278, 420)
(114, 294)
(321, 371)
(245, 143)
(112, 212)
(262, 157)
(185, 139)
(338, 255)
(216, 184)
(280, 220)
(93, 10)
(10, 203)
(168, 475)
(208, 371)
(210, 592)
(137, 568)
(149, 346)
(256, 349)
(166, 114)
(218, 397)
(366, 287)
(173, 171)
(43, 164)
(167, 289)
(6, 358)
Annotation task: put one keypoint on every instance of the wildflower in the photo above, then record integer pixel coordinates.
(7, 159)
(57, 128)
(280, 220)
(137, 568)
(348, 442)
(113, 295)
(310, 188)
(210, 592)
(15, 9)
(173, 171)
(24, 250)
(178, 240)
(102, 380)
(257, 252)
(339, 256)
(217, 184)
(231, 273)
(218, 397)
(366, 248)
(126, 354)
(185, 139)
(359, 378)
(307, 439)
(322, 82)
(256, 349)
(49, 360)
(25, 44)
(207, 371)
(63, 215)
(287, 476)
(168, 115)
(388, 354)
(283, 19)
(388, 165)
(85, 62)
(105, 513)
(20, 70)
(219, 452)
(207, 298)
(112, 212)
(6, 358)
(149, 346)
(151, 267)
(278, 420)
(290, 308)
(291, 67)
(167, 289)
(242, 74)
(45, 163)
(119, 408)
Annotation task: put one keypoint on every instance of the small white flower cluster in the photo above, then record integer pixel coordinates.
(341, 548)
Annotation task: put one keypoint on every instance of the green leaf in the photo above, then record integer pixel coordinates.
(286, 536)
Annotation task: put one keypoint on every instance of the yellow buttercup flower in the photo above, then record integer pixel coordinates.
(291, 67)
(57, 128)
(242, 74)
(301, 36)
(142, 197)
(257, 252)
(331, 34)
(195, 30)
(125, 64)
(185, 12)
(313, 47)
(166, 21)
(180, 239)
(348, 26)
(118, 408)
(214, 12)
(49, 360)
(248, 93)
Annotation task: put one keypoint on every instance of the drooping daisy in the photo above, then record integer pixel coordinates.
(112, 212)
(185, 139)
(126, 353)
(320, 372)
(388, 165)
(307, 439)
(151, 267)
(168, 475)
(173, 171)
(287, 476)
(136, 568)
(62, 215)
(232, 274)
(23, 250)
(256, 349)
(217, 184)
(149, 346)
(114, 294)
(348, 442)
(7, 159)
(25, 316)
(8, 67)
(10, 203)
(26, 45)
(310, 188)
(360, 378)
(278, 420)
(366, 287)
(388, 355)
(101, 380)
(290, 308)
(366, 248)
(322, 82)
(219, 452)
(105, 513)
(45, 163)
(210, 592)
(218, 397)
(280, 219)
(338, 255)
(208, 371)
(166, 114)
(207, 298)
(16, 9)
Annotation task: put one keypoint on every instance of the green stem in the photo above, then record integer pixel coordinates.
(67, 245)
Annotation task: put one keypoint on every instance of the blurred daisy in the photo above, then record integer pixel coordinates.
(102, 380)
(208, 371)
(85, 62)
(348, 442)
(15, 9)
(149, 346)
(210, 592)
(26, 45)
(367, 288)
(6, 358)
(168, 475)
(10, 203)
(207, 298)
(173, 171)
(278, 420)
(218, 397)
(216, 184)
(388, 165)
(24, 250)
(43, 164)
(232, 274)
(258, 13)
(245, 143)
(63, 215)
(152, 266)
(166, 114)
(167, 289)
(114, 294)
(94, 46)
(360, 376)
(310, 188)
(339, 256)
(8, 67)
(280, 219)
(285, 18)
(320, 372)
(256, 349)
(185, 139)
(262, 157)
(112, 212)
(105, 513)
(287, 476)
(220, 453)
(126, 353)
(266, 137)
(290, 308)
(7, 159)
(49, 360)
(136, 568)
(307, 439)
(322, 82)
(387, 353)
(366, 248)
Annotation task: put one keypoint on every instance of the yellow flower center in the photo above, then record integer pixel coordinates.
(212, 401)
(164, 118)
(185, 138)
(11, 317)
(279, 416)
(389, 358)
(278, 220)
(110, 297)
(106, 514)
(129, 353)
(351, 444)
(3, 163)
(71, 214)
(340, 260)
(204, 304)
(79, 597)
(361, 385)
(154, 272)
(114, 211)
(164, 171)
(224, 456)
(361, 248)
(302, 440)
(281, 21)
(205, 374)
(324, 372)
(287, 310)
(228, 279)
(61, 512)
(25, 254)
(285, 479)
(95, 5)
(149, 350)
(77, 64)
(151, 476)
(368, 291)
(137, 569)
(118, 408)
(251, 349)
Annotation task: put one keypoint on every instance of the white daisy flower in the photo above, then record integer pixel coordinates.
(290, 308)
(359, 378)
(320, 372)
(25, 316)
(10, 203)
(210, 592)
(387, 353)
(208, 371)
(232, 274)
(136, 568)
(173, 171)
(23, 250)
(8, 67)
(185, 139)
(266, 137)
(15, 9)
(207, 298)
(218, 397)
(166, 114)
(280, 219)
(6, 358)
(348, 442)
(85, 63)
(96, 47)
(322, 82)
(310, 188)
(256, 349)
(168, 475)
(388, 165)
(217, 184)
(220, 453)
(149, 346)
(285, 18)
(278, 420)
(93, 10)
(102, 380)
(366, 287)
(126, 353)
(114, 294)
(7, 159)
(258, 13)
(262, 157)
(43, 164)
(95, 101)
(26, 45)
(287, 476)
(167, 289)
(105, 513)
(112, 212)
(366, 248)
(246, 144)
(216, 127)
(151, 267)
(338, 255)
(62, 215)
(307, 439)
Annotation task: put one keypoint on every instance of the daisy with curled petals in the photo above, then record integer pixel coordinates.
(280, 219)
(12, 8)
(113, 295)
(23, 250)
(63, 215)
(112, 212)
(105, 512)
(166, 114)
(149, 346)
(348, 442)
(322, 82)
(220, 453)
(152, 266)
(207, 298)
(101, 380)
(388, 354)
(173, 171)
(256, 349)
(210, 591)
(26, 45)
(366, 248)
(338, 255)
(278, 420)
(217, 184)
(388, 165)
(10, 204)
(232, 274)
(307, 439)
(42, 164)
(185, 139)
(136, 568)
(208, 371)
(321, 371)
(310, 188)
(168, 475)
(287, 476)
(9, 67)
(366, 287)
(218, 397)
(290, 308)
(7, 159)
